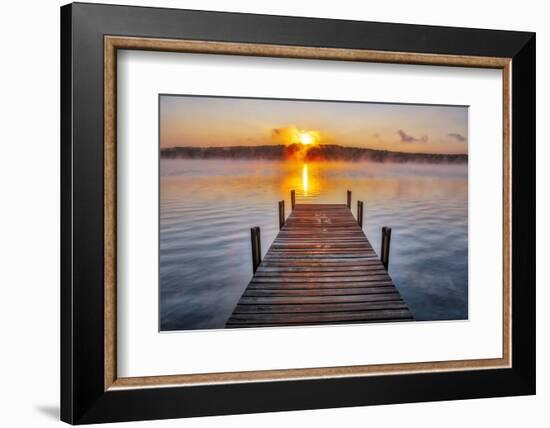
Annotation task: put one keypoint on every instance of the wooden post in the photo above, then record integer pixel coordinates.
(292, 199)
(256, 248)
(385, 250)
(349, 199)
(360, 213)
(281, 214)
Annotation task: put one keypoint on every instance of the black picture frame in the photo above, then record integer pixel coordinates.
(83, 398)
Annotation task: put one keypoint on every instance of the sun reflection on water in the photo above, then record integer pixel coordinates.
(305, 179)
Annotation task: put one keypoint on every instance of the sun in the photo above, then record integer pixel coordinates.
(306, 138)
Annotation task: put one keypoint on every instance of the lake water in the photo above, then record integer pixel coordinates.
(207, 208)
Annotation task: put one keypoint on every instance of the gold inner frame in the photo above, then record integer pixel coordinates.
(113, 43)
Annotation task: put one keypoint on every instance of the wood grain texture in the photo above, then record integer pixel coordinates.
(507, 213)
(109, 195)
(309, 52)
(304, 287)
(309, 373)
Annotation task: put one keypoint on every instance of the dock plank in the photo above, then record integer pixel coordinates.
(320, 269)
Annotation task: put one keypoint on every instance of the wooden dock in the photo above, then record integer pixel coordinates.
(320, 269)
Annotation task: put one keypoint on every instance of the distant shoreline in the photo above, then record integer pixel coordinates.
(328, 153)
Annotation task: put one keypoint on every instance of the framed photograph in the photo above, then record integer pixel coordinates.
(266, 213)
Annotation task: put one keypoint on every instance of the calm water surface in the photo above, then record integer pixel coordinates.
(208, 206)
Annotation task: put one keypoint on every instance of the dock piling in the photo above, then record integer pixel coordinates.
(360, 213)
(281, 214)
(293, 199)
(385, 250)
(349, 199)
(256, 248)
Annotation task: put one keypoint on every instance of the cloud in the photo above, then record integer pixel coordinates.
(458, 137)
(407, 138)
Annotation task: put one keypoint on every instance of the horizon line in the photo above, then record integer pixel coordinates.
(318, 145)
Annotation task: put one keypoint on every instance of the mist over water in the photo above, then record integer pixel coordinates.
(207, 208)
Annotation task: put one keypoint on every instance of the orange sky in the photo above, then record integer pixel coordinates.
(223, 121)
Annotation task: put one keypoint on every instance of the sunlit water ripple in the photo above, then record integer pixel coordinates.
(208, 206)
